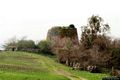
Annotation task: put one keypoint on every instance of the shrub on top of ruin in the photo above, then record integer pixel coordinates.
(63, 31)
(71, 26)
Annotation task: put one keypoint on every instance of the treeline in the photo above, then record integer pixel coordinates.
(28, 45)
(103, 50)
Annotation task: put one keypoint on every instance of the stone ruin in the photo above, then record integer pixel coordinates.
(63, 38)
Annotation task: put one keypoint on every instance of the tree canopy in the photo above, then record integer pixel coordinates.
(94, 28)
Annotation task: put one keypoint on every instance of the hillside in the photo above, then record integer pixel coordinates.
(28, 66)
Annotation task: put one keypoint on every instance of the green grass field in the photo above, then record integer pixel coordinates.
(29, 66)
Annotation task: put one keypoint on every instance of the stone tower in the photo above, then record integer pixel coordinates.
(63, 38)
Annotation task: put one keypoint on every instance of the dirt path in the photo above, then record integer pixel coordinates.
(68, 75)
(59, 70)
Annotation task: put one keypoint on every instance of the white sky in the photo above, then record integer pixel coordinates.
(32, 18)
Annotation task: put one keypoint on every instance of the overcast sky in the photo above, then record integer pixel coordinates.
(32, 18)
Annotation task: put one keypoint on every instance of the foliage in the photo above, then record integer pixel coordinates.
(20, 45)
(113, 54)
(54, 31)
(115, 58)
(44, 46)
(11, 43)
(25, 44)
(69, 31)
(69, 44)
(90, 32)
(71, 26)
(102, 42)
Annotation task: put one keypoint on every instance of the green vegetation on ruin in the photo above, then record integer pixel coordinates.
(63, 31)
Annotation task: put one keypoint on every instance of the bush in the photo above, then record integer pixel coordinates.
(71, 26)
(25, 44)
(102, 42)
(44, 46)
(115, 58)
(68, 31)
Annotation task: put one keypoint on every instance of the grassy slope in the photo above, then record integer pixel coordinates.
(27, 66)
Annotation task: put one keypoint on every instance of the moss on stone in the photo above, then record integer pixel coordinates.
(63, 31)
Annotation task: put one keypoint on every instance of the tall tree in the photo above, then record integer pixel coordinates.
(94, 28)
